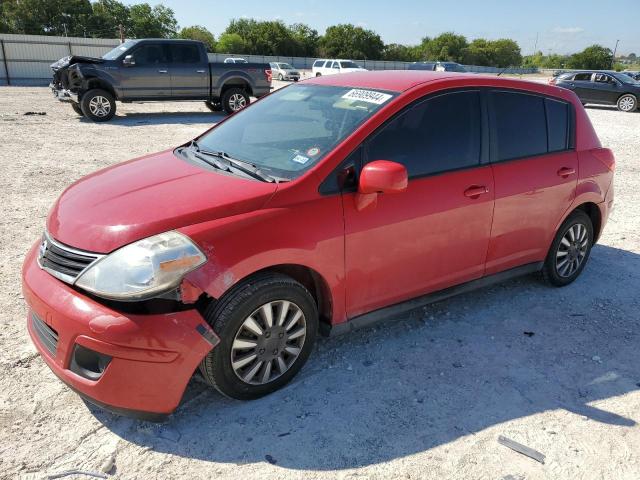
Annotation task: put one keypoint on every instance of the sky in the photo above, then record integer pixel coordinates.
(560, 26)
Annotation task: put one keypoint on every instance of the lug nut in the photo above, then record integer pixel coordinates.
(275, 351)
(261, 351)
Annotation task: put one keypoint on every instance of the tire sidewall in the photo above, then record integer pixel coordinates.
(550, 264)
(635, 103)
(226, 326)
(77, 108)
(86, 98)
(226, 98)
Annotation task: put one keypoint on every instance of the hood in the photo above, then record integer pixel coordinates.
(66, 61)
(146, 196)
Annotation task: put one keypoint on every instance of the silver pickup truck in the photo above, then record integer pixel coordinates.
(156, 70)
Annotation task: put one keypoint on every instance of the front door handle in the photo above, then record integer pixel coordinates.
(162, 71)
(564, 172)
(199, 71)
(475, 191)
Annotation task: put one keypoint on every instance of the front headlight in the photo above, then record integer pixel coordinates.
(143, 269)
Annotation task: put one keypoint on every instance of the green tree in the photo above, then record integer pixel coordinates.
(107, 16)
(505, 53)
(197, 32)
(306, 39)
(478, 52)
(593, 57)
(45, 17)
(401, 53)
(349, 41)
(151, 22)
(445, 47)
(231, 43)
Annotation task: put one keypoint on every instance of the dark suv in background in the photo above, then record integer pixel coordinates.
(602, 88)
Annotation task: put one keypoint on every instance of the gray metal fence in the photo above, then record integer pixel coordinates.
(25, 59)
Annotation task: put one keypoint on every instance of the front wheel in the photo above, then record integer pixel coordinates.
(234, 100)
(267, 327)
(214, 106)
(98, 105)
(280, 77)
(570, 250)
(627, 103)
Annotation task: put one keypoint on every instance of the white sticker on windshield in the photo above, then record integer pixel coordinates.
(300, 159)
(370, 96)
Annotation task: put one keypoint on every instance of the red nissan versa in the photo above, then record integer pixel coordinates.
(325, 206)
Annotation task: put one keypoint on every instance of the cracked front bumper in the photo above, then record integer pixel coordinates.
(151, 357)
(63, 95)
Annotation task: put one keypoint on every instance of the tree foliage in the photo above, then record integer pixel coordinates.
(593, 57)
(200, 33)
(271, 37)
(231, 43)
(447, 46)
(349, 41)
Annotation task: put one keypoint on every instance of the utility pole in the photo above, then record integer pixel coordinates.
(535, 46)
(613, 59)
(121, 33)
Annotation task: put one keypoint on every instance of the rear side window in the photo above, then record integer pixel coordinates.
(519, 125)
(185, 54)
(585, 77)
(440, 134)
(557, 124)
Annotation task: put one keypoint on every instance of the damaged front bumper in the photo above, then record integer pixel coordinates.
(63, 94)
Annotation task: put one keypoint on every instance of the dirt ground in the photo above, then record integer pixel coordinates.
(422, 397)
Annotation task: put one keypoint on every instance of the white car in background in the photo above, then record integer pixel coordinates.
(324, 66)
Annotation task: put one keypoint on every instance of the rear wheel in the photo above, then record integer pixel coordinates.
(234, 99)
(76, 108)
(627, 103)
(570, 250)
(98, 105)
(280, 77)
(267, 327)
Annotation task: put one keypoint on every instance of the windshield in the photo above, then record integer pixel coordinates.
(285, 66)
(626, 79)
(119, 50)
(349, 65)
(292, 129)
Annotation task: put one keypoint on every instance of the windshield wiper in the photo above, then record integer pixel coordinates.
(246, 167)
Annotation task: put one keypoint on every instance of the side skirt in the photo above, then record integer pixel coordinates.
(372, 318)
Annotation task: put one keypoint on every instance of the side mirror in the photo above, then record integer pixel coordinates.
(129, 60)
(383, 176)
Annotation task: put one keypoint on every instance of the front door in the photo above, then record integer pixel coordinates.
(150, 76)
(435, 234)
(606, 89)
(535, 169)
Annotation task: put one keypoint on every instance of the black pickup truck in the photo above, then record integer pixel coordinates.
(156, 70)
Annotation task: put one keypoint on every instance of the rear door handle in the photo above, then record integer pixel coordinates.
(475, 191)
(199, 71)
(162, 71)
(566, 171)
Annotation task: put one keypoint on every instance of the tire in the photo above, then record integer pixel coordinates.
(280, 77)
(242, 371)
(76, 108)
(234, 100)
(214, 106)
(98, 105)
(573, 240)
(318, 74)
(627, 103)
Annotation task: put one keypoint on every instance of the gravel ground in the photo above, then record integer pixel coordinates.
(424, 396)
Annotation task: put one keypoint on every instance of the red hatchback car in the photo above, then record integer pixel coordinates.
(323, 207)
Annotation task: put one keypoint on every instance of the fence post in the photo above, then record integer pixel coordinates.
(6, 67)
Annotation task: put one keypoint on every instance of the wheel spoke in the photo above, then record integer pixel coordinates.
(284, 310)
(294, 320)
(292, 350)
(267, 314)
(297, 334)
(565, 242)
(252, 373)
(282, 366)
(251, 325)
(240, 343)
(561, 253)
(266, 374)
(572, 236)
(244, 361)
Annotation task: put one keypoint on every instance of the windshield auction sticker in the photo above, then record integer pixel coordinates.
(369, 96)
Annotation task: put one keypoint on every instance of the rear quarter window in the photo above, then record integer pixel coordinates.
(557, 124)
(519, 125)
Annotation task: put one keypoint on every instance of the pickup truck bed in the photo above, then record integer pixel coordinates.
(156, 70)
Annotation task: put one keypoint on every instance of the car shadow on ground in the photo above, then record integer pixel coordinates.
(426, 379)
(164, 118)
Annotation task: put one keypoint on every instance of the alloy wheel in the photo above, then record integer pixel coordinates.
(99, 106)
(268, 342)
(572, 250)
(237, 102)
(627, 104)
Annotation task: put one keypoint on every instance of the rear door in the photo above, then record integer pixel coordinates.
(435, 234)
(535, 169)
(149, 77)
(189, 71)
(582, 85)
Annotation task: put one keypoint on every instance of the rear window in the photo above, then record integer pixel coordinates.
(585, 77)
(557, 125)
(519, 125)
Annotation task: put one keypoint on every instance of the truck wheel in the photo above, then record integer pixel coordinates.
(98, 105)
(76, 108)
(214, 106)
(234, 99)
(267, 327)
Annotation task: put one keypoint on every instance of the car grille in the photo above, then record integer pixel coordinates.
(64, 262)
(48, 336)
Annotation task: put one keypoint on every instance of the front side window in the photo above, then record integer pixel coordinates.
(150, 55)
(439, 134)
(119, 50)
(519, 125)
(292, 129)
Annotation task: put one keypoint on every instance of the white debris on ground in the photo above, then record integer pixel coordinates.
(424, 396)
